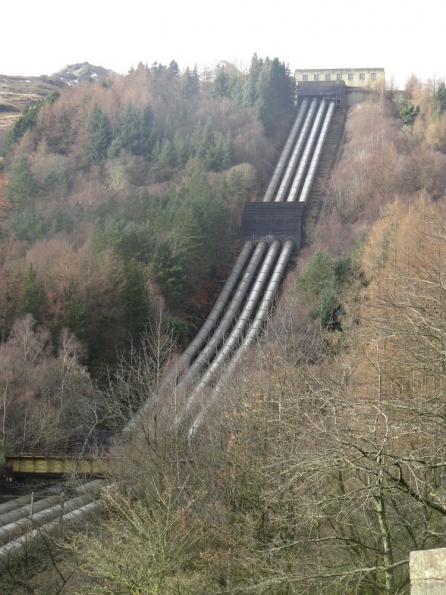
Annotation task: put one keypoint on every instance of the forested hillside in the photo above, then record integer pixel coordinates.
(122, 192)
(322, 465)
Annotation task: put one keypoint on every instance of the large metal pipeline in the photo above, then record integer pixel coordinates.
(274, 284)
(302, 168)
(21, 526)
(16, 503)
(254, 329)
(286, 252)
(229, 317)
(26, 506)
(200, 338)
(242, 323)
(17, 549)
(306, 188)
(277, 175)
(294, 160)
(25, 511)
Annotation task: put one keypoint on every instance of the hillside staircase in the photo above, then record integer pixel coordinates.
(329, 158)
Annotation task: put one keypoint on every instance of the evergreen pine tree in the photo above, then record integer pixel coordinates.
(181, 150)
(169, 272)
(134, 296)
(22, 185)
(227, 156)
(74, 316)
(221, 83)
(174, 69)
(440, 97)
(98, 135)
(26, 121)
(135, 132)
(190, 82)
(202, 140)
(30, 298)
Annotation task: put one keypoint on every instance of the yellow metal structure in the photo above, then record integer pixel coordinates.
(54, 465)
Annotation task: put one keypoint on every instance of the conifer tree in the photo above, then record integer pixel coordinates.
(174, 69)
(221, 83)
(26, 121)
(135, 297)
(98, 135)
(191, 82)
(135, 132)
(22, 184)
(440, 97)
(30, 298)
(169, 272)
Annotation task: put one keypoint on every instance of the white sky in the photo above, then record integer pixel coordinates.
(403, 36)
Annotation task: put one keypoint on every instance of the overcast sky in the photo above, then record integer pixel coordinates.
(403, 36)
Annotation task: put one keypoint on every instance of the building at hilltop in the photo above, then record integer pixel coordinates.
(352, 77)
(346, 86)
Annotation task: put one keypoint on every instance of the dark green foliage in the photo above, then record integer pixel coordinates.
(440, 98)
(215, 155)
(57, 184)
(164, 154)
(269, 87)
(21, 191)
(32, 224)
(221, 83)
(190, 82)
(226, 153)
(190, 245)
(311, 283)
(26, 120)
(202, 140)
(320, 286)
(28, 224)
(74, 316)
(30, 298)
(169, 272)
(408, 111)
(173, 69)
(136, 206)
(179, 328)
(100, 212)
(156, 69)
(181, 150)
(134, 296)
(135, 133)
(53, 97)
(98, 135)
(127, 239)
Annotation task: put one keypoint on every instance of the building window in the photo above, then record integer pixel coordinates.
(316, 77)
(361, 76)
(339, 77)
(305, 77)
(328, 77)
(373, 75)
(350, 77)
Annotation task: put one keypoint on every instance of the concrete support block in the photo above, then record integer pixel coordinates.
(428, 572)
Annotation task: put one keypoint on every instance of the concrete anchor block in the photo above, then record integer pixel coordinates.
(428, 572)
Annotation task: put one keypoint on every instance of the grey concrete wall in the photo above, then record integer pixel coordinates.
(428, 572)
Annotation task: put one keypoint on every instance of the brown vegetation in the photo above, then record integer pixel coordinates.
(321, 465)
